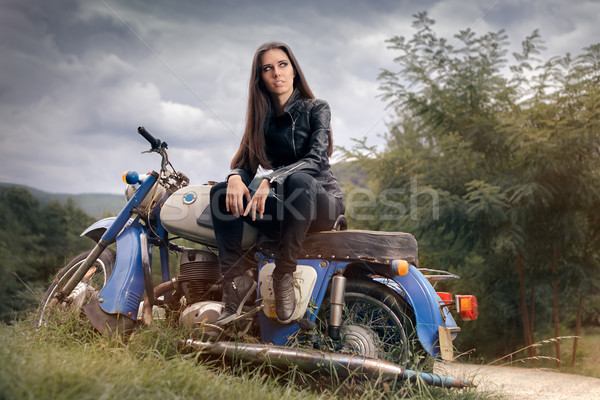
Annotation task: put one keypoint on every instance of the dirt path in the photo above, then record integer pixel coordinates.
(525, 384)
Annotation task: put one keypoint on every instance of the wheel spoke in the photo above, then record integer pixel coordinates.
(374, 318)
(94, 280)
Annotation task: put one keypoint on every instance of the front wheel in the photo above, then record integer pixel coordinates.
(90, 285)
(377, 323)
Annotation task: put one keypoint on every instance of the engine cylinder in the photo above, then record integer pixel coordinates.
(199, 269)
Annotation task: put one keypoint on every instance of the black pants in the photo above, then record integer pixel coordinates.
(301, 205)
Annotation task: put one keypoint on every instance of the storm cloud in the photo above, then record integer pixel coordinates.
(77, 77)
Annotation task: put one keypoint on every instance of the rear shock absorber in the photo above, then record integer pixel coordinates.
(336, 302)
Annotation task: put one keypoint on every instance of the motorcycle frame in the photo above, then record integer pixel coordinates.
(413, 287)
(124, 290)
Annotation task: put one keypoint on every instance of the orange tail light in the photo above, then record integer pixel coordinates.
(466, 306)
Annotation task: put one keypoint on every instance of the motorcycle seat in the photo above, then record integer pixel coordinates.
(353, 245)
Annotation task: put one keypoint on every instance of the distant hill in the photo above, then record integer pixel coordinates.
(93, 204)
(99, 204)
(349, 173)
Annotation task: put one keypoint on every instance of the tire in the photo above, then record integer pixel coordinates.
(84, 290)
(377, 323)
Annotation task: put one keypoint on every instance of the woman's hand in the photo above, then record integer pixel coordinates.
(236, 191)
(257, 204)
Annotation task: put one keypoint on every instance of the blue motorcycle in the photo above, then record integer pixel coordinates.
(363, 305)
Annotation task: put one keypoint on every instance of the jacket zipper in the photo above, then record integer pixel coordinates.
(289, 170)
(293, 134)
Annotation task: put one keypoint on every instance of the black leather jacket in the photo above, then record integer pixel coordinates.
(298, 141)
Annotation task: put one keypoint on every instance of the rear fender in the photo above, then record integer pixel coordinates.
(429, 314)
(125, 287)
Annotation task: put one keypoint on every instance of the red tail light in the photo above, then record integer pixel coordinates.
(466, 306)
(446, 298)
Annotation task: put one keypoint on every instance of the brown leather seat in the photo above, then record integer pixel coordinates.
(370, 246)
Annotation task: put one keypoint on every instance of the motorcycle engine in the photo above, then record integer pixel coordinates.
(198, 271)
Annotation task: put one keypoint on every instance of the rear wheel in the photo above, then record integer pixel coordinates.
(90, 285)
(377, 323)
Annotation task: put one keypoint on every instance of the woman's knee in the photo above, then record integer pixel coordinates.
(217, 189)
(300, 181)
(217, 198)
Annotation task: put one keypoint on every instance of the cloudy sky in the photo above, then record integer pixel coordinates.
(77, 77)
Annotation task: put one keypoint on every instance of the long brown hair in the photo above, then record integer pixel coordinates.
(251, 153)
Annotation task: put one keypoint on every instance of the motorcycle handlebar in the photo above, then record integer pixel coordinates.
(154, 142)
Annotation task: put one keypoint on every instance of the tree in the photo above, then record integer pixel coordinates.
(34, 242)
(498, 170)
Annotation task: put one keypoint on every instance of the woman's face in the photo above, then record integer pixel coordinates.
(277, 73)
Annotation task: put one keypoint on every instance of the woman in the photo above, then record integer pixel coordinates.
(287, 130)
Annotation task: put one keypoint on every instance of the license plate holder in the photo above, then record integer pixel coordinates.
(446, 348)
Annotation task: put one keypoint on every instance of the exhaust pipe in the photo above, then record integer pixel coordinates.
(343, 365)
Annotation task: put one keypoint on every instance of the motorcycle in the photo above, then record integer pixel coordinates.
(363, 305)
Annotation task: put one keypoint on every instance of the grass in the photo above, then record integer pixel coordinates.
(588, 353)
(66, 360)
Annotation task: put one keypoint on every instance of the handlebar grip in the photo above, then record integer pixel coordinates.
(154, 142)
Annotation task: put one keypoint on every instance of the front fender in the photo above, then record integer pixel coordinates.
(419, 293)
(97, 229)
(125, 287)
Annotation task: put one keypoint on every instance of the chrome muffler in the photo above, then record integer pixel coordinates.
(343, 365)
(336, 304)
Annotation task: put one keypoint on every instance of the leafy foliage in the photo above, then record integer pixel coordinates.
(98, 205)
(34, 242)
(493, 166)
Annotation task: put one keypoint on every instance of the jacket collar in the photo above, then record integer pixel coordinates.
(293, 102)
(294, 105)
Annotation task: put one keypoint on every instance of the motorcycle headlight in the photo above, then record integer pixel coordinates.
(133, 179)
